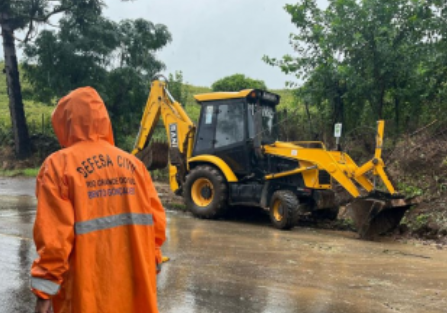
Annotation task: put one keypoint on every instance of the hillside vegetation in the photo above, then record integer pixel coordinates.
(38, 114)
(34, 110)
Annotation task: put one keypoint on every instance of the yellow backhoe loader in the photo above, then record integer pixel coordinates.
(232, 158)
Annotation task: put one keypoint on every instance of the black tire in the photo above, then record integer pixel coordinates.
(286, 204)
(213, 193)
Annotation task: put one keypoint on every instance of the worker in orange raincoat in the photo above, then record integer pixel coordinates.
(99, 224)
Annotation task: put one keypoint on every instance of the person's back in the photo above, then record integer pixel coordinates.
(99, 222)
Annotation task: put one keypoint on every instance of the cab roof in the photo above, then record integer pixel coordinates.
(222, 95)
(246, 93)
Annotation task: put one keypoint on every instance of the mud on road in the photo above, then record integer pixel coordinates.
(244, 265)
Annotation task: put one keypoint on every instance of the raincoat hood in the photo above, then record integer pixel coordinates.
(81, 116)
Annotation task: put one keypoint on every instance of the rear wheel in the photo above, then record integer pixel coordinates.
(284, 209)
(205, 192)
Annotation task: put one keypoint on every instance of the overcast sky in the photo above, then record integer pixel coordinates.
(217, 38)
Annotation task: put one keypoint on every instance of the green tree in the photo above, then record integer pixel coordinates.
(57, 62)
(28, 15)
(118, 59)
(367, 59)
(177, 87)
(237, 82)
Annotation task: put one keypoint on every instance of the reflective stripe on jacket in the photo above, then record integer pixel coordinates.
(99, 224)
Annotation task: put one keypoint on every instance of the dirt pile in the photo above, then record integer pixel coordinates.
(418, 167)
(41, 147)
(169, 199)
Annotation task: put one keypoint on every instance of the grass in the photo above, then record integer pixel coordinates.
(192, 108)
(409, 190)
(27, 172)
(34, 111)
(176, 206)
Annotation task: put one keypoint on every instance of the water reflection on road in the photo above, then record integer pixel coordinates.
(242, 266)
(231, 266)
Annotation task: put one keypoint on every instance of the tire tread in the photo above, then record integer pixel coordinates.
(292, 214)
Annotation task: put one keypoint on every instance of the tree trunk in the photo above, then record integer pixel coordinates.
(381, 102)
(396, 114)
(309, 120)
(19, 126)
(338, 115)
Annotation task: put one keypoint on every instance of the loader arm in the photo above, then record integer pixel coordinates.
(374, 213)
(179, 128)
(338, 164)
(376, 165)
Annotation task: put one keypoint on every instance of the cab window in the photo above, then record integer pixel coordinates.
(230, 124)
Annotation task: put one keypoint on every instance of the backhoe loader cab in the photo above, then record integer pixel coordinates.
(233, 158)
(233, 124)
(236, 128)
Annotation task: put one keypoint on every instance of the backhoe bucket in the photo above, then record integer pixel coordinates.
(377, 214)
(155, 156)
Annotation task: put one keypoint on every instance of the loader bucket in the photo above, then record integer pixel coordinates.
(377, 214)
(155, 156)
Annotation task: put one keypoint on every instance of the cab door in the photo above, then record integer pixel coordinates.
(230, 138)
(204, 141)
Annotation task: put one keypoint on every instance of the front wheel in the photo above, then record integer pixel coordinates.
(205, 192)
(284, 209)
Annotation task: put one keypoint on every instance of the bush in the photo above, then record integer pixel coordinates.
(237, 82)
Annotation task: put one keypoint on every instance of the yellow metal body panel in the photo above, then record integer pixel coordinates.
(379, 139)
(307, 143)
(222, 95)
(318, 157)
(351, 168)
(310, 177)
(288, 173)
(218, 162)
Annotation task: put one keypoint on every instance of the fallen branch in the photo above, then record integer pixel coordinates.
(422, 128)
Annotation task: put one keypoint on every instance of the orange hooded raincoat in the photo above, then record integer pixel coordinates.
(99, 223)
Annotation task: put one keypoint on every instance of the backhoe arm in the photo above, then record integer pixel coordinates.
(179, 129)
(149, 120)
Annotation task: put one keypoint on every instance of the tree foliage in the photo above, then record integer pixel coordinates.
(118, 59)
(370, 59)
(28, 15)
(178, 89)
(237, 82)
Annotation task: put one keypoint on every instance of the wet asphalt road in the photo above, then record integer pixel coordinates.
(243, 266)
